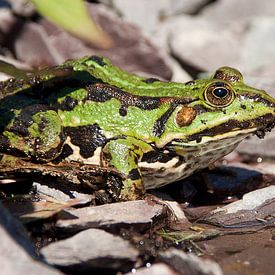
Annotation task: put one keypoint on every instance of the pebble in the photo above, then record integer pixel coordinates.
(155, 269)
(189, 263)
(92, 248)
(140, 215)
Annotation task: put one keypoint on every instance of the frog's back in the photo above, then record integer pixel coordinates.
(103, 70)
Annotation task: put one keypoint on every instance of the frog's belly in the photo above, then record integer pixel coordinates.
(159, 174)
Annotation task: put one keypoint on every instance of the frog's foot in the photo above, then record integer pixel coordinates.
(132, 190)
(36, 133)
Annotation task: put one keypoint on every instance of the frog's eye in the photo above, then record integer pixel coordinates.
(219, 94)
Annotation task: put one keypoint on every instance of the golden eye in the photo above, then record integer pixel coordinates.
(219, 94)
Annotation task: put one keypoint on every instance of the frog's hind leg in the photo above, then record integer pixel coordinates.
(35, 133)
(123, 154)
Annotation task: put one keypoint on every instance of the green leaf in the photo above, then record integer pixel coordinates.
(73, 16)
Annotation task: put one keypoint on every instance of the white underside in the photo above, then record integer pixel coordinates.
(193, 158)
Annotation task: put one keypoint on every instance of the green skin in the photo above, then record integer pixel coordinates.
(34, 120)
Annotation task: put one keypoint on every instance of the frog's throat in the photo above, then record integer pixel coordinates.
(175, 139)
(239, 134)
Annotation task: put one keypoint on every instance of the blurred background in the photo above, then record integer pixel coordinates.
(170, 39)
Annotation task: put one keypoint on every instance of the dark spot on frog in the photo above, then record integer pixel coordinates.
(42, 125)
(102, 92)
(134, 174)
(25, 119)
(123, 110)
(68, 104)
(106, 156)
(154, 156)
(150, 80)
(203, 121)
(243, 106)
(135, 148)
(98, 60)
(66, 151)
(87, 138)
(160, 123)
(98, 94)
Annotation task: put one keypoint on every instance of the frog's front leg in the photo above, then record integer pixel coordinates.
(124, 154)
(34, 133)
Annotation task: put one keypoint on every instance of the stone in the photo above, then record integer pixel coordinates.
(8, 20)
(253, 57)
(17, 254)
(197, 42)
(155, 269)
(137, 11)
(40, 51)
(235, 10)
(253, 211)
(58, 195)
(253, 146)
(178, 219)
(90, 249)
(207, 42)
(250, 201)
(188, 263)
(178, 74)
(137, 214)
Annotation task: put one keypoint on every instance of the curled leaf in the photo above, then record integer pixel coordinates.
(73, 16)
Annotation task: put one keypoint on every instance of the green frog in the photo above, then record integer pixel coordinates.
(151, 132)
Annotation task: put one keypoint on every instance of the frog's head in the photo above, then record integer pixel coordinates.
(223, 108)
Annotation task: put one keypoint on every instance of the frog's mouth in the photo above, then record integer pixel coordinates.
(258, 126)
(260, 133)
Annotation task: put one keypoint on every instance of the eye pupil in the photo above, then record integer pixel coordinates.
(220, 92)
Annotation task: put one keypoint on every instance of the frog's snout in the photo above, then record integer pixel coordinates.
(266, 124)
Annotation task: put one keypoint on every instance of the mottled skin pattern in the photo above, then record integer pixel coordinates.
(150, 131)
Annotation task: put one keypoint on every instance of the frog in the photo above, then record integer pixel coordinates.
(152, 132)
